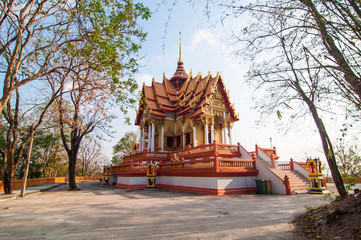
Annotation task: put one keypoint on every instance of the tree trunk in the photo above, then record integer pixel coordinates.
(8, 183)
(26, 169)
(72, 164)
(327, 147)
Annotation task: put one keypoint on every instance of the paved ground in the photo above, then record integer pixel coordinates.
(98, 212)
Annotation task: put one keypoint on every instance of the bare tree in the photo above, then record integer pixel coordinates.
(90, 154)
(348, 159)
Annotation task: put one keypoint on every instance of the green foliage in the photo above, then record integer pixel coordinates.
(48, 158)
(124, 146)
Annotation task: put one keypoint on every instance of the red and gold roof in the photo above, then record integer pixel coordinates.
(183, 95)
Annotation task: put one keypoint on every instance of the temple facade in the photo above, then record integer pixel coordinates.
(186, 134)
(185, 110)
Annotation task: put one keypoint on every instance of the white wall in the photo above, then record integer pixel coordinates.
(265, 173)
(208, 182)
(132, 180)
(244, 153)
(300, 169)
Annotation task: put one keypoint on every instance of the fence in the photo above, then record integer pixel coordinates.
(345, 180)
(38, 181)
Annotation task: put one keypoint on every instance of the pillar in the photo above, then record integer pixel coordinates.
(194, 135)
(224, 135)
(183, 137)
(230, 133)
(149, 135)
(212, 132)
(162, 137)
(206, 132)
(141, 139)
(153, 137)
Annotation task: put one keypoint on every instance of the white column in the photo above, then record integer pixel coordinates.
(162, 137)
(206, 133)
(184, 137)
(212, 133)
(230, 134)
(153, 137)
(224, 135)
(149, 136)
(141, 140)
(194, 136)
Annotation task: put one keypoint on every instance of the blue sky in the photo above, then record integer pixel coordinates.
(205, 49)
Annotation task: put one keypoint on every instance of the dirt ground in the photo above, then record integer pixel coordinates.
(98, 212)
(338, 220)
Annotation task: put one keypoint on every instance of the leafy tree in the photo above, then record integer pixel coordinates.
(48, 158)
(17, 130)
(98, 72)
(33, 32)
(124, 146)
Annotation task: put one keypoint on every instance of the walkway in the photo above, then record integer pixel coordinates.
(98, 212)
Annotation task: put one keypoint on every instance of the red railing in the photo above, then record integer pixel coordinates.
(38, 181)
(206, 156)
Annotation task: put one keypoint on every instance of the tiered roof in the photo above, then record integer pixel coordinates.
(183, 94)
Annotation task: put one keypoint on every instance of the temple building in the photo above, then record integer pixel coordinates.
(185, 110)
(186, 134)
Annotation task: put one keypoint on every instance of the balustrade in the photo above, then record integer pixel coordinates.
(202, 156)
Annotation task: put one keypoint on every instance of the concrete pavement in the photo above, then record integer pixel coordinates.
(29, 190)
(98, 212)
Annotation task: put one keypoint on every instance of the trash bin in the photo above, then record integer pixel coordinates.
(268, 186)
(261, 186)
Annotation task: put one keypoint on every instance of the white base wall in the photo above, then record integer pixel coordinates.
(132, 180)
(208, 182)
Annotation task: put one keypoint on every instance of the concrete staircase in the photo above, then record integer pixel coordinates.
(299, 184)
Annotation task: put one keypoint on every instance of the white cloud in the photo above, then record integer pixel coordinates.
(144, 78)
(203, 35)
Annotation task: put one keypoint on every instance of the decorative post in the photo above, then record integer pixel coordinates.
(317, 180)
(291, 164)
(182, 162)
(189, 149)
(215, 148)
(287, 184)
(273, 161)
(151, 176)
(239, 147)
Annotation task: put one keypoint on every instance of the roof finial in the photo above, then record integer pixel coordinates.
(180, 47)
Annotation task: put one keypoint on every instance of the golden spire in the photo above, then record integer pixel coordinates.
(180, 74)
(180, 47)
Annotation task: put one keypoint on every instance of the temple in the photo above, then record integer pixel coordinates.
(186, 130)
